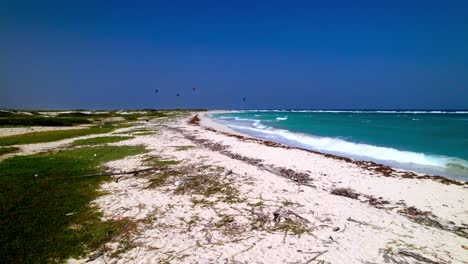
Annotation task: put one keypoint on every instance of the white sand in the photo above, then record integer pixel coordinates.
(172, 228)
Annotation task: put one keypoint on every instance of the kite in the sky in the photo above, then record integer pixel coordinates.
(243, 98)
(177, 94)
(157, 90)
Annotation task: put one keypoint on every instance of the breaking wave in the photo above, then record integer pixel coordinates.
(366, 111)
(399, 158)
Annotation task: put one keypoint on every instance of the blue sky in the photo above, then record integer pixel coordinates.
(278, 54)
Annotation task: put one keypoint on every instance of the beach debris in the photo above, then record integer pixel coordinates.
(195, 120)
(379, 202)
(401, 256)
(427, 218)
(134, 172)
(379, 169)
(261, 220)
(336, 229)
(95, 256)
(421, 217)
(177, 183)
(319, 253)
(290, 221)
(416, 256)
(282, 220)
(228, 172)
(363, 223)
(346, 192)
(298, 177)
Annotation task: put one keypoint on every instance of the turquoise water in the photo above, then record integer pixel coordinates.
(428, 142)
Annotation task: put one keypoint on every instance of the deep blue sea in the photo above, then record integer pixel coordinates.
(433, 142)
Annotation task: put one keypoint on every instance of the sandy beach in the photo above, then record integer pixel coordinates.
(234, 132)
(270, 203)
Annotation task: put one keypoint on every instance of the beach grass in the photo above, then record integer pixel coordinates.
(7, 150)
(46, 216)
(147, 114)
(99, 140)
(49, 136)
(86, 115)
(155, 161)
(26, 120)
(182, 148)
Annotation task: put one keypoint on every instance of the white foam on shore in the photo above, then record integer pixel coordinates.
(399, 158)
(364, 111)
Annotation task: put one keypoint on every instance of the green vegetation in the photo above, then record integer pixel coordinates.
(287, 203)
(225, 220)
(99, 140)
(155, 161)
(49, 136)
(293, 227)
(202, 202)
(7, 150)
(44, 206)
(143, 133)
(41, 121)
(162, 178)
(259, 204)
(138, 130)
(85, 115)
(166, 173)
(182, 148)
(17, 118)
(147, 114)
(6, 113)
(207, 186)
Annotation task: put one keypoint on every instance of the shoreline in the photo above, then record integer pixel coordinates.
(224, 197)
(386, 170)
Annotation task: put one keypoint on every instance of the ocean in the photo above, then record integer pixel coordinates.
(432, 142)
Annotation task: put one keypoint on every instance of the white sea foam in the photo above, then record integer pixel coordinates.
(351, 149)
(282, 118)
(365, 111)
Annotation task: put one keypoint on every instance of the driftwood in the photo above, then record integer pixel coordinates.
(108, 174)
(417, 257)
(362, 223)
(316, 256)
